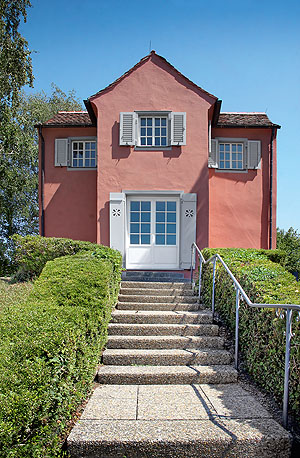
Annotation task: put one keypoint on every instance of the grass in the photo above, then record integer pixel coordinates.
(13, 294)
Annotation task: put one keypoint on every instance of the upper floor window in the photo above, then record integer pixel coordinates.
(83, 154)
(234, 154)
(152, 130)
(231, 155)
(76, 152)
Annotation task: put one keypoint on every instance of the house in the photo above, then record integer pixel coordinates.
(153, 165)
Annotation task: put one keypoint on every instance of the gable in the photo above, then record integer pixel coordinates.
(161, 64)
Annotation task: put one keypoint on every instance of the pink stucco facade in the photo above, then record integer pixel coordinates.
(233, 208)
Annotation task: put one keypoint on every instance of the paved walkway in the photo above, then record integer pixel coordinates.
(176, 421)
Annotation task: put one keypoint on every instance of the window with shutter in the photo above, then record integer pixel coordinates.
(234, 154)
(76, 152)
(152, 129)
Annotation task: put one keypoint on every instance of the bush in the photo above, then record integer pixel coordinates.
(32, 252)
(49, 350)
(262, 332)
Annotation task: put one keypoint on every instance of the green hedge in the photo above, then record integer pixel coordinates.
(32, 252)
(262, 332)
(49, 350)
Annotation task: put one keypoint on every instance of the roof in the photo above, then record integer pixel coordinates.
(139, 64)
(244, 120)
(69, 119)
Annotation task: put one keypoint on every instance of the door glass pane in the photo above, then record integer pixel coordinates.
(160, 240)
(140, 218)
(165, 234)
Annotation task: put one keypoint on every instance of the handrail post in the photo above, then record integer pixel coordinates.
(192, 262)
(200, 276)
(213, 288)
(287, 367)
(237, 316)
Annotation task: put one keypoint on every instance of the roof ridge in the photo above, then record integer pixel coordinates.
(244, 112)
(82, 111)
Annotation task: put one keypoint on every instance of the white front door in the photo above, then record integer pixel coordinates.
(152, 233)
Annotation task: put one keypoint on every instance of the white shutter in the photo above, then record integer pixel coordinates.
(61, 152)
(188, 214)
(178, 129)
(254, 154)
(117, 221)
(213, 154)
(127, 128)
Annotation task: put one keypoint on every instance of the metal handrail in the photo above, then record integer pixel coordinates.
(241, 294)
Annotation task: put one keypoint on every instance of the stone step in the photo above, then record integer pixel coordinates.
(172, 357)
(161, 375)
(165, 342)
(161, 299)
(156, 285)
(158, 306)
(156, 291)
(156, 316)
(151, 274)
(157, 279)
(162, 329)
(176, 421)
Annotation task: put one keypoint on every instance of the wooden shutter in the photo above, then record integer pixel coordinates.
(254, 154)
(117, 221)
(127, 128)
(188, 214)
(213, 155)
(178, 129)
(61, 152)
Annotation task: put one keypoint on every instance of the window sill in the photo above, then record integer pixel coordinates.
(80, 169)
(152, 148)
(231, 170)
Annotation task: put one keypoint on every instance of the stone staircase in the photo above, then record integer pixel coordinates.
(167, 387)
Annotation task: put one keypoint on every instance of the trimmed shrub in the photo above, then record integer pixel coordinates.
(49, 350)
(32, 252)
(262, 331)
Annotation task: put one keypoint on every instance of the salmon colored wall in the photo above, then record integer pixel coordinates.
(69, 196)
(239, 202)
(152, 87)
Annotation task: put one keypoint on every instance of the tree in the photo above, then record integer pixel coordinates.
(289, 242)
(15, 60)
(19, 159)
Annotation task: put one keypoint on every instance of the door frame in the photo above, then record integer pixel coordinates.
(175, 195)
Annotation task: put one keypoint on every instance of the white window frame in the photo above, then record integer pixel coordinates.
(153, 117)
(71, 158)
(153, 114)
(231, 160)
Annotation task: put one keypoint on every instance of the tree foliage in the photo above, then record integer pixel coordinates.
(19, 159)
(289, 242)
(15, 60)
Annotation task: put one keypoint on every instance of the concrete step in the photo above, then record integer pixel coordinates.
(161, 299)
(157, 279)
(176, 421)
(165, 342)
(128, 274)
(163, 329)
(156, 316)
(122, 357)
(157, 291)
(161, 375)
(158, 306)
(157, 285)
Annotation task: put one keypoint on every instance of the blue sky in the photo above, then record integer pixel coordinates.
(246, 52)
